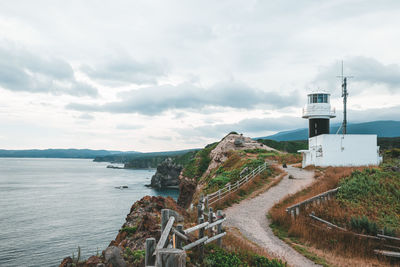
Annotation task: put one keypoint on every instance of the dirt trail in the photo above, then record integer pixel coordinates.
(249, 216)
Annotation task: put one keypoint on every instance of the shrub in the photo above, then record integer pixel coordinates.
(129, 230)
(135, 256)
(219, 181)
(220, 257)
(363, 225)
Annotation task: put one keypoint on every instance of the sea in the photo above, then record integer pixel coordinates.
(49, 207)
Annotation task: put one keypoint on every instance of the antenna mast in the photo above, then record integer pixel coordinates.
(344, 95)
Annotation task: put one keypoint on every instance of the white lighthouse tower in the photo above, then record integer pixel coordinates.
(318, 112)
(326, 149)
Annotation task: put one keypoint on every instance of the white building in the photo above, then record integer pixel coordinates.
(326, 149)
(342, 150)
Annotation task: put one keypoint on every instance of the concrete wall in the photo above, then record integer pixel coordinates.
(342, 150)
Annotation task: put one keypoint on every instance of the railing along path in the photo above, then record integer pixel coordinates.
(212, 198)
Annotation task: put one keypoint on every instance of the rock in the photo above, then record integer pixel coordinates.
(167, 175)
(67, 262)
(113, 255)
(231, 142)
(93, 261)
(396, 169)
(100, 265)
(187, 188)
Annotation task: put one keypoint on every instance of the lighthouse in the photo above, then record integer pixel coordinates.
(325, 149)
(318, 112)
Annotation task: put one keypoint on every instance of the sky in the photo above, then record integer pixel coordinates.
(167, 75)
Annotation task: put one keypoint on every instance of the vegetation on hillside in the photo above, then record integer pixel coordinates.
(367, 202)
(198, 164)
(220, 257)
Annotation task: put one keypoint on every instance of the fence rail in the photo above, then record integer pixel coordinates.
(294, 210)
(212, 198)
(174, 242)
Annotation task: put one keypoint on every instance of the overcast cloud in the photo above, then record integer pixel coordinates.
(162, 75)
(157, 99)
(21, 70)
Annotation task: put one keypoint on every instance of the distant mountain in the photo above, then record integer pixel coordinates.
(59, 153)
(380, 128)
(132, 159)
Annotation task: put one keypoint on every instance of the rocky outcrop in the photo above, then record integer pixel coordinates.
(232, 142)
(113, 256)
(167, 175)
(187, 188)
(142, 222)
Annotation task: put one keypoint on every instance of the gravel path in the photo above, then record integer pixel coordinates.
(249, 216)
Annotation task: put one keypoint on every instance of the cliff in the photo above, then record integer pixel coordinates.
(142, 222)
(167, 175)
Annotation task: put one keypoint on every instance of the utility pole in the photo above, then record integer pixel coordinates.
(344, 95)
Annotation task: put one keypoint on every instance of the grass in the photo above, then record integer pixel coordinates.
(368, 200)
(221, 257)
(260, 182)
(199, 164)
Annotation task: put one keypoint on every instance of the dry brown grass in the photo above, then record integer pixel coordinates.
(288, 158)
(234, 241)
(335, 246)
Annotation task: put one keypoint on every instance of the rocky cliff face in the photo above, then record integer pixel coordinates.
(142, 222)
(167, 175)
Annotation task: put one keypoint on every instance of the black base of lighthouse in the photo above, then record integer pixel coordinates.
(317, 127)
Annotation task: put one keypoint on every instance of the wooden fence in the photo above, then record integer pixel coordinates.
(295, 209)
(170, 251)
(213, 198)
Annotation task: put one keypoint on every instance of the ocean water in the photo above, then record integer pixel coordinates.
(49, 207)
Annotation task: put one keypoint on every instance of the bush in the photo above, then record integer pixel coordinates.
(135, 256)
(363, 225)
(220, 257)
(219, 181)
(129, 230)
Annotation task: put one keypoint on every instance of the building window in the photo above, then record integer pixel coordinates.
(318, 98)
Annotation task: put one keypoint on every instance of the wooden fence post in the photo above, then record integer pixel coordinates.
(170, 257)
(219, 227)
(201, 246)
(179, 240)
(199, 212)
(150, 248)
(210, 221)
(219, 194)
(164, 218)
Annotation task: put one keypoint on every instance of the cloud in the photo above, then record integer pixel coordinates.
(251, 125)
(126, 70)
(364, 70)
(157, 99)
(129, 126)
(21, 70)
(86, 116)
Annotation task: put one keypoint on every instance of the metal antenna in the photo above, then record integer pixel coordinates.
(344, 95)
